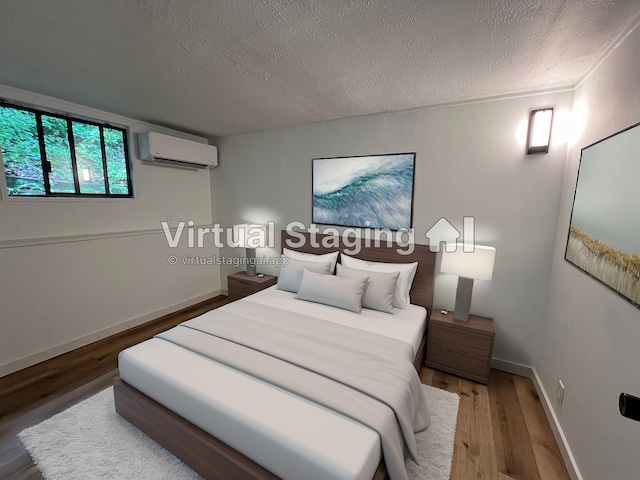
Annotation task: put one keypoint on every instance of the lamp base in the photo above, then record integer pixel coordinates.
(251, 262)
(463, 298)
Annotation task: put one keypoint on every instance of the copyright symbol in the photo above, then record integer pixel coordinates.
(172, 260)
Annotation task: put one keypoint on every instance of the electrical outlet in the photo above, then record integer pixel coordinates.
(560, 393)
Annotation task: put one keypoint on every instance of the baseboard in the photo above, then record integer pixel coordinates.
(510, 367)
(29, 360)
(558, 433)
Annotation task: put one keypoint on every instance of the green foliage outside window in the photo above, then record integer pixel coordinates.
(21, 152)
(31, 158)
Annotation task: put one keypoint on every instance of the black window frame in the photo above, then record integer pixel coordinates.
(46, 166)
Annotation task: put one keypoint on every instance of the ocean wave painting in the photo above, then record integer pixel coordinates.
(373, 191)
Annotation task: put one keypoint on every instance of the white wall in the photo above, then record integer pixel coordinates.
(591, 336)
(76, 270)
(469, 162)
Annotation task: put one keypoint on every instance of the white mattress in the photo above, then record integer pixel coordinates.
(290, 436)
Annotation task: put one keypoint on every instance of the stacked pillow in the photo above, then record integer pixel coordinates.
(380, 287)
(357, 283)
(291, 272)
(312, 257)
(407, 272)
(345, 293)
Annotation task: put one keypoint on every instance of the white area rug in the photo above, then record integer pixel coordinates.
(90, 440)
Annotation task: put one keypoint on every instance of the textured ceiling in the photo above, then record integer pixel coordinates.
(225, 67)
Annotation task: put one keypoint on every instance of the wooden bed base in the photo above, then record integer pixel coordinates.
(212, 458)
(207, 455)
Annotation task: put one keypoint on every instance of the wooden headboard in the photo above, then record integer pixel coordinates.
(422, 289)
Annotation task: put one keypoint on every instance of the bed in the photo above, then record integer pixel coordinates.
(161, 390)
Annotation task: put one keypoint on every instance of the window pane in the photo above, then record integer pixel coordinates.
(56, 144)
(116, 161)
(99, 152)
(21, 152)
(88, 157)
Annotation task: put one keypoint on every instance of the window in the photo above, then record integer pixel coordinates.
(46, 154)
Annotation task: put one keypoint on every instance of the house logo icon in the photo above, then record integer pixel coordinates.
(444, 232)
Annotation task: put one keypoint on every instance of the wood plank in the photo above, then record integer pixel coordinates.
(445, 381)
(426, 376)
(547, 454)
(514, 453)
(474, 452)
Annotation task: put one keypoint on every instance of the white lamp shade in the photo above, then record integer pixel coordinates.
(477, 264)
(250, 236)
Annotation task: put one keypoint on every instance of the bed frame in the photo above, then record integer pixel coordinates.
(214, 459)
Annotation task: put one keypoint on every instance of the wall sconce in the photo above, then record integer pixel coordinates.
(539, 136)
(477, 264)
(251, 237)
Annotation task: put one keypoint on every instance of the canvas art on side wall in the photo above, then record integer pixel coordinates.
(373, 191)
(604, 235)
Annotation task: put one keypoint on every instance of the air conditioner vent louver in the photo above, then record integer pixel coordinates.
(177, 163)
(176, 152)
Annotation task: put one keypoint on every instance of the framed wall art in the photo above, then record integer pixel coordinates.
(604, 234)
(373, 191)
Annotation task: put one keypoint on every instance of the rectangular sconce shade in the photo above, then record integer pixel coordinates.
(477, 264)
(251, 236)
(539, 136)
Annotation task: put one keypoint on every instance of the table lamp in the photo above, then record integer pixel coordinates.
(251, 237)
(476, 264)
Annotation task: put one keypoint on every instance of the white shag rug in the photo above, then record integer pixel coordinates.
(90, 441)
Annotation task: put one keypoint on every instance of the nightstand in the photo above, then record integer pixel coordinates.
(461, 348)
(241, 285)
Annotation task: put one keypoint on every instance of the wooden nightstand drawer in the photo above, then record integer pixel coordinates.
(240, 288)
(461, 348)
(240, 285)
(463, 362)
(462, 341)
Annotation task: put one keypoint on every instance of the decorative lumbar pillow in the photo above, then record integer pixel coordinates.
(405, 280)
(291, 272)
(312, 257)
(345, 293)
(380, 289)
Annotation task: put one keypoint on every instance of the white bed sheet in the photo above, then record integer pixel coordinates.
(290, 436)
(407, 324)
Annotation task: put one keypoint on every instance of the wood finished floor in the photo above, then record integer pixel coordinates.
(502, 432)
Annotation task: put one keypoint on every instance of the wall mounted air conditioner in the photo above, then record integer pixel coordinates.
(176, 152)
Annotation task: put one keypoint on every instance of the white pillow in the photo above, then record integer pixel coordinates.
(312, 257)
(405, 280)
(291, 272)
(380, 289)
(345, 293)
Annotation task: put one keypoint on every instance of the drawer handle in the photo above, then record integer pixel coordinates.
(457, 351)
(463, 352)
